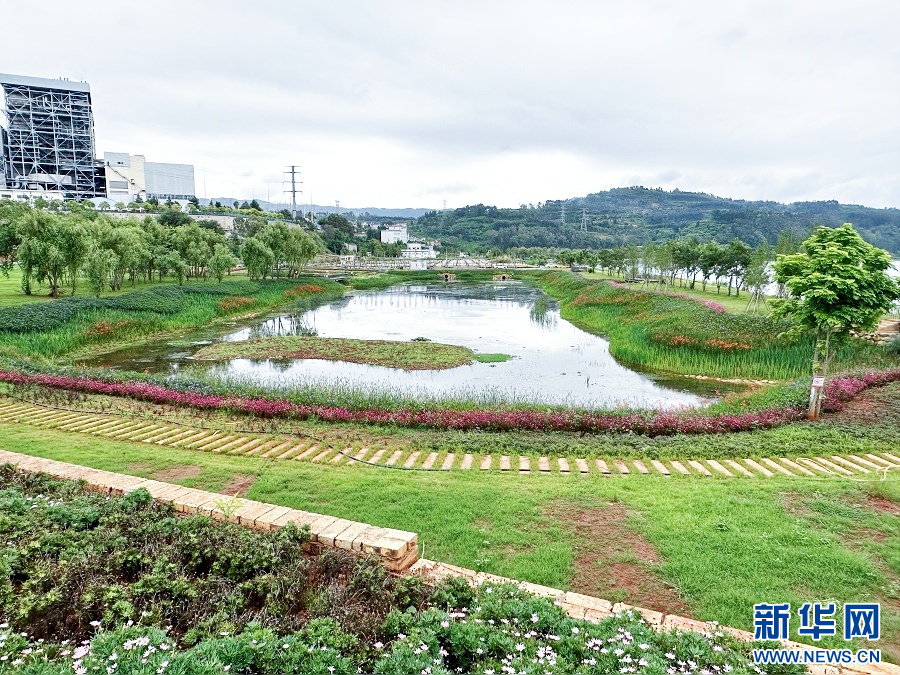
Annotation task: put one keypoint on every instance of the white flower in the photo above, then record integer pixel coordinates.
(520, 647)
(379, 645)
(575, 630)
(534, 618)
(285, 646)
(445, 624)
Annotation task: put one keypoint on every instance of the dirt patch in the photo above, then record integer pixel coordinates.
(614, 561)
(878, 405)
(176, 473)
(239, 484)
(794, 504)
(883, 504)
(140, 467)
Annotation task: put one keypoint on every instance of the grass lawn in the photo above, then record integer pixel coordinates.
(414, 355)
(709, 548)
(732, 303)
(11, 288)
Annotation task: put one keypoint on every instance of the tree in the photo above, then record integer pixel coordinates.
(175, 265)
(299, 248)
(99, 268)
(837, 284)
(710, 257)
(758, 277)
(257, 257)
(47, 248)
(221, 261)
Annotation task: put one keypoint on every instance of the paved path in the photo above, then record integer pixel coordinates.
(311, 449)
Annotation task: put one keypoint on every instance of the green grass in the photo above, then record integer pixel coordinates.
(492, 358)
(713, 293)
(662, 333)
(11, 294)
(724, 544)
(134, 317)
(414, 355)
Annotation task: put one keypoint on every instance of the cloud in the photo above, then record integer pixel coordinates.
(409, 103)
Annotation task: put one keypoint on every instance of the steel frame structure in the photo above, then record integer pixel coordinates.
(48, 142)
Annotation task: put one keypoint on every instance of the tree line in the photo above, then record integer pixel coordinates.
(734, 265)
(60, 247)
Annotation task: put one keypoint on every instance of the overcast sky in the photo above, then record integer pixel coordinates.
(408, 104)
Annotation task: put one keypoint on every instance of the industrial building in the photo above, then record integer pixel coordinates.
(131, 176)
(47, 139)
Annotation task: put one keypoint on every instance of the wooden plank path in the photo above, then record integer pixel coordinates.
(234, 443)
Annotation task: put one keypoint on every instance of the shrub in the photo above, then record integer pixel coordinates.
(238, 302)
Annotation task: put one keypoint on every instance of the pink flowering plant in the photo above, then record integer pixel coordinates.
(649, 423)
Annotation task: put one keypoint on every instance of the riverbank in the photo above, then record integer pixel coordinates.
(666, 334)
(77, 327)
(413, 355)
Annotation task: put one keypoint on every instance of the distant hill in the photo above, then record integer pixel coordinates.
(636, 215)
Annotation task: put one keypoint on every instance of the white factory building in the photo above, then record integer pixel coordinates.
(395, 233)
(130, 176)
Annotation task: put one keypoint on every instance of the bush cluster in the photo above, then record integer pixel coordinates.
(72, 557)
(122, 585)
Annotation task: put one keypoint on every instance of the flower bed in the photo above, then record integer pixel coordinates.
(125, 585)
(663, 423)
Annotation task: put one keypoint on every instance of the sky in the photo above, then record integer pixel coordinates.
(425, 103)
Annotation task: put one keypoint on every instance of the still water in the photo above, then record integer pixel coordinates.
(553, 361)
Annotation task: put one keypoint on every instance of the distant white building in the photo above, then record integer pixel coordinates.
(396, 233)
(30, 195)
(419, 250)
(130, 176)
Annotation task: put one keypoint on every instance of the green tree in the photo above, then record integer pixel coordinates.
(299, 248)
(837, 284)
(44, 251)
(257, 257)
(174, 264)
(758, 276)
(99, 268)
(221, 261)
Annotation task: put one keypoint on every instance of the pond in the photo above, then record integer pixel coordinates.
(553, 361)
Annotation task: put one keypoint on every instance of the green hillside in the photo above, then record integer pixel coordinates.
(637, 215)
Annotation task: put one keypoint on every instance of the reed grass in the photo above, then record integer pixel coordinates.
(657, 332)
